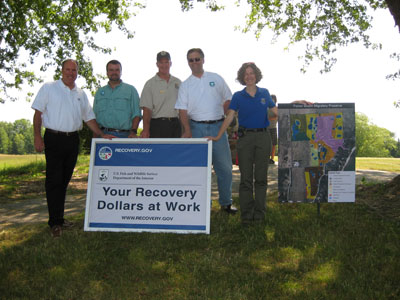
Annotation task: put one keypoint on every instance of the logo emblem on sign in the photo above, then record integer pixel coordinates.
(103, 175)
(105, 153)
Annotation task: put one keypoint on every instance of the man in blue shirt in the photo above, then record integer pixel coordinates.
(116, 105)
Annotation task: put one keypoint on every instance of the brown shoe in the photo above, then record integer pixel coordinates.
(56, 231)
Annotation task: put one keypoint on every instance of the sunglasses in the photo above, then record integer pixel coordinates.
(197, 59)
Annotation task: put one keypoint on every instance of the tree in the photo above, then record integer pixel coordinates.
(371, 140)
(396, 151)
(18, 144)
(4, 140)
(322, 25)
(55, 30)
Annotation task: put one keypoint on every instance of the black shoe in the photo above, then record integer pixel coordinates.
(230, 209)
(271, 162)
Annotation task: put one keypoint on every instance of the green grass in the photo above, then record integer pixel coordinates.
(8, 160)
(25, 179)
(348, 252)
(382, 164)
(345, 253)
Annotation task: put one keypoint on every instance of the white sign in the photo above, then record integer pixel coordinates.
(154, 185)
(341, 186)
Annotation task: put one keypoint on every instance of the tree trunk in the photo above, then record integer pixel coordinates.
(394, 8)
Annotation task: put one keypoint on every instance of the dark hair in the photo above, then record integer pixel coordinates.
(67, 60)
(274, 98)
(113, 62)
(198, 50)
(242, 70)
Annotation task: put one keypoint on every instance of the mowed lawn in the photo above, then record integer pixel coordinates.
(362, 163)
(378, 163)
(347, 252)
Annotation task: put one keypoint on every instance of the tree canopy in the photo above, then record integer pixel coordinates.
(59, 29)
(374, 141)
(54, 30)
(323, 25)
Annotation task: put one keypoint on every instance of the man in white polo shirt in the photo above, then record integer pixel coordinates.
(203, 100)
(61, 107)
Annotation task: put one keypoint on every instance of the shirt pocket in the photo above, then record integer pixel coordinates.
(122, 102)
(123, 110)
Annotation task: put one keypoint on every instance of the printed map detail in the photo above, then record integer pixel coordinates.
(324, 132)
(313, 140)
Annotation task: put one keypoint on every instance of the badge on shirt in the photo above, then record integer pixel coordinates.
(263, 101)
(177, 86)
(212, 83)
(102, 93)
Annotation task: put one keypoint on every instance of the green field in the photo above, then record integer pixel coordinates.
(362, 163)
(7, 160)
(378, 163)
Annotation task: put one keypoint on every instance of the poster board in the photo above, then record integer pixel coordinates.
(316, 150)
(153, 185)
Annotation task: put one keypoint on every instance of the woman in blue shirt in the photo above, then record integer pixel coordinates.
(254, 144)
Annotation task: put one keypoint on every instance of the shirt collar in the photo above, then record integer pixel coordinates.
(109, 86)
(62, 84)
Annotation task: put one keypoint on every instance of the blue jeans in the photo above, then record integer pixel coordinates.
(221, 158)
(117, 134)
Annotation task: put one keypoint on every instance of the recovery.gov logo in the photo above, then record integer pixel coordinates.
(105, 153)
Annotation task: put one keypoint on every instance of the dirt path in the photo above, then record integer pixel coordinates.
(35, 210)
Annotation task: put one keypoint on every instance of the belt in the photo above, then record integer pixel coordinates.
(165, 119)
(252, 129)
(62, 132)
(114, 130)
(209, 122)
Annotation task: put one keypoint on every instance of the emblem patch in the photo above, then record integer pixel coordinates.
(103, 175)
(105, 153)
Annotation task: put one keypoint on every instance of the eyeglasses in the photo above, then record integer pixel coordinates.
(197, 59)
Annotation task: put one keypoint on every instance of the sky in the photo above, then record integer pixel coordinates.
(358, 76)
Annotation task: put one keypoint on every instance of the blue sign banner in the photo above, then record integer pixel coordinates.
(194, 155)
(155, 185)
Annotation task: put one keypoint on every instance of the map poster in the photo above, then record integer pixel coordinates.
(316, 150)
(153, 185)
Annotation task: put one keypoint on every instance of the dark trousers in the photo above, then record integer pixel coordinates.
(61, 153)
(253, 149)
(164, 128)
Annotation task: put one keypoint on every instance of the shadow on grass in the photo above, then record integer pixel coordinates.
(345, 253)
